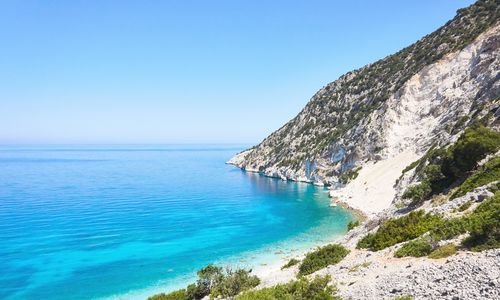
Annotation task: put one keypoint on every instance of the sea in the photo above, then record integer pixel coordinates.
(129, 221)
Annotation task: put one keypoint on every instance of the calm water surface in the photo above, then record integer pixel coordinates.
(86, 222)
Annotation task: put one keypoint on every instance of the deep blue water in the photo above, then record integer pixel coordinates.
(84, 222)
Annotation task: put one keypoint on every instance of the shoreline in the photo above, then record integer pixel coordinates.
(266, 261)
(370, 193)
(271, 272)
(266, 264)
(360, 214)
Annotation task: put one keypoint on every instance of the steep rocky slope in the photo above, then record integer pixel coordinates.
(395, 108)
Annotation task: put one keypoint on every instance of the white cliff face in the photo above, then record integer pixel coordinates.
(438, 96)
(411, 121)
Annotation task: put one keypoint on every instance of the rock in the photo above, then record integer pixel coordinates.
(475, 276)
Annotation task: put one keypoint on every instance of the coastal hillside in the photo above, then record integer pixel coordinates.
(396, 108)
(411, 144)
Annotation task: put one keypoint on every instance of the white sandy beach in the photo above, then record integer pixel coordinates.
(373, 189)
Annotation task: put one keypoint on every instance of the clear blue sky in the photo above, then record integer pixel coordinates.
(186, 71)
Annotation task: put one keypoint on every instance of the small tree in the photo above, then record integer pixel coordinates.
(208, 277)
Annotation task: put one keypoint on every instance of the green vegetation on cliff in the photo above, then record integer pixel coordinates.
(292, 262)
(488, 173)
(301, 289)
(483, 226)
(442, 167)
(213, 281)
(322, 257)
(394, 231)
(176, 295)
(416, 248)
(443, 251)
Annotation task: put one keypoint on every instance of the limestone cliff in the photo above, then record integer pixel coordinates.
(422, 95)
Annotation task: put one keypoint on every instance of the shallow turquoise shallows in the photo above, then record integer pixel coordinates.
(86, 222)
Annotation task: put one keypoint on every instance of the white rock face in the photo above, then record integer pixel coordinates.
(438, 94)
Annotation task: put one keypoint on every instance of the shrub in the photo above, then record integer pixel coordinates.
(446, 166)
(405, 297)
(410, 166)
(290, 263)
(488, 173)
(484, 225)
(418, 192)
(302, 289)
(215, 282)
(394, 231)
(233, 283)
(449, 228)
(472, 146)
(353, 224)
(433, 173)
(207, 278)
(464, 206)
(415, 248)
(443, 251)
(176, 295)
(322, 257)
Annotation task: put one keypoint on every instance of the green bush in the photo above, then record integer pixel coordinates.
(440, 168)
(410, 166)
(488, 173)
(443, 251)
(394, 231)
(208, 277)
(415, 248)
(353, 224)
(322, 257)
(213, 281)
(176, 295)
(302, 289)
(472, 146)
(290, 263)
(449, 228)
(233, 283)
(406, 297)
(417, 193)
(433, 173)
(484, 225)
(464, 206)
(462, 157)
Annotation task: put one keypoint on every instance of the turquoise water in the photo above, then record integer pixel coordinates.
(86, 222)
